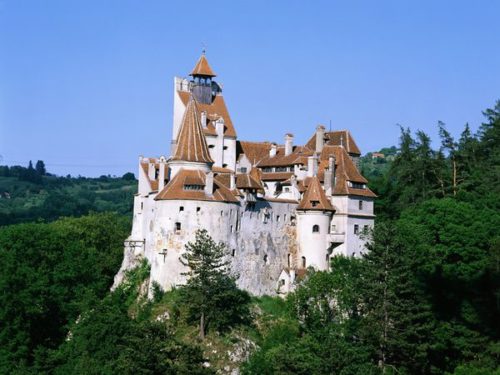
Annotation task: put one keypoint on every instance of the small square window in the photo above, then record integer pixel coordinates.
(198, 209)
(181, 208)
(177, 227)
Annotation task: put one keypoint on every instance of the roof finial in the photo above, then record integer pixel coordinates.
(203, 48)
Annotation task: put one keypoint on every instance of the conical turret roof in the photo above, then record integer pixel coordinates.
(191, 143)
(202, 68)
(315, 198)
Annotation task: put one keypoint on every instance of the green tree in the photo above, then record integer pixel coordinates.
(397, 318)
(211, 293)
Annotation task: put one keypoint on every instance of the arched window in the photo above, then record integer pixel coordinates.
(303, 262)
(315, 228)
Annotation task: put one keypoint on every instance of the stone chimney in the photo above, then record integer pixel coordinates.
(219, 142)
(288, 144)
(204, 119)
(151, 169)
(272, 151)
(232, 181)
(330, 176)
(161, 174)
(312, 166)
(320, 138)
(209, 184)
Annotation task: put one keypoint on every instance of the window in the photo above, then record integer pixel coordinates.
(265, 259)
(281, 169)
(357, 185)
(224, 148)
(284, 218)
(211, 146)
(365, 228)
(267, 169)
(181, 208)
(360, 205)
(198, 209)
(243, 170)
(282, 282)
(224, 165)
(193, 187)
(177, 227)
(286, 189)
(142, 205)
(233, 252)
(314, 203)
(356, 228)
(303, 262)
(288, 260)
(278, 218)
(334, 228)
(222, 213)
(316, 228)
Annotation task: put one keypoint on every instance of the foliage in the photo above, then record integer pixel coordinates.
(49, 271)
(210, 293)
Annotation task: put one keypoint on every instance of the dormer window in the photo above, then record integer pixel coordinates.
(357, 185)
(193, 187)
(314, 203)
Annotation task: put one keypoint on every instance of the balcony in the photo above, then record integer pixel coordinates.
(336, 237)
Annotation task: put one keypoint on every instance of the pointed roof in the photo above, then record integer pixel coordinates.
(202, 68)
(191, 143)
(315, 198)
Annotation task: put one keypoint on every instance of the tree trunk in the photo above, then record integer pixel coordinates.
(202, 326)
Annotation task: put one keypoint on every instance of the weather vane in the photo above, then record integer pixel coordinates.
(203, 48)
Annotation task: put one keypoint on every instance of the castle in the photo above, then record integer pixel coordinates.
(279, 209)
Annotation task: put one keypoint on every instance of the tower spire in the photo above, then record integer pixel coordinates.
(191, 143)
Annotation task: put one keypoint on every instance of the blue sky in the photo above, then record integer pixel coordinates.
(86, 86)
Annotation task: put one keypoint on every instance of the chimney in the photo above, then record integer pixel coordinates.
(151, 170)
(161, 175)
(272, 151)
(288, 144)
(320, 138)
(330, 176)
(232, 181)
(209, 184)
(204, 119)
(312, 166)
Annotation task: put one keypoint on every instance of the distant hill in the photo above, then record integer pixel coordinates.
(31, 194)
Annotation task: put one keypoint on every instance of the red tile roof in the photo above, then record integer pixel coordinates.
(175, 189)
(214, 111)
(191, 143)
(254, 151)
(315, 198)
(337, 138)
(202, 68)
(298, 156)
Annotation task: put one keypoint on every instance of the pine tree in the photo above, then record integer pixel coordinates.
(211, 294)
(40, 168)
(397, 318)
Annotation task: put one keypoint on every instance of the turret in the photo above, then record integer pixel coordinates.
(202, 75)
(314, 213)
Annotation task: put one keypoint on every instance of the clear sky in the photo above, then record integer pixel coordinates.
(87, 86)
